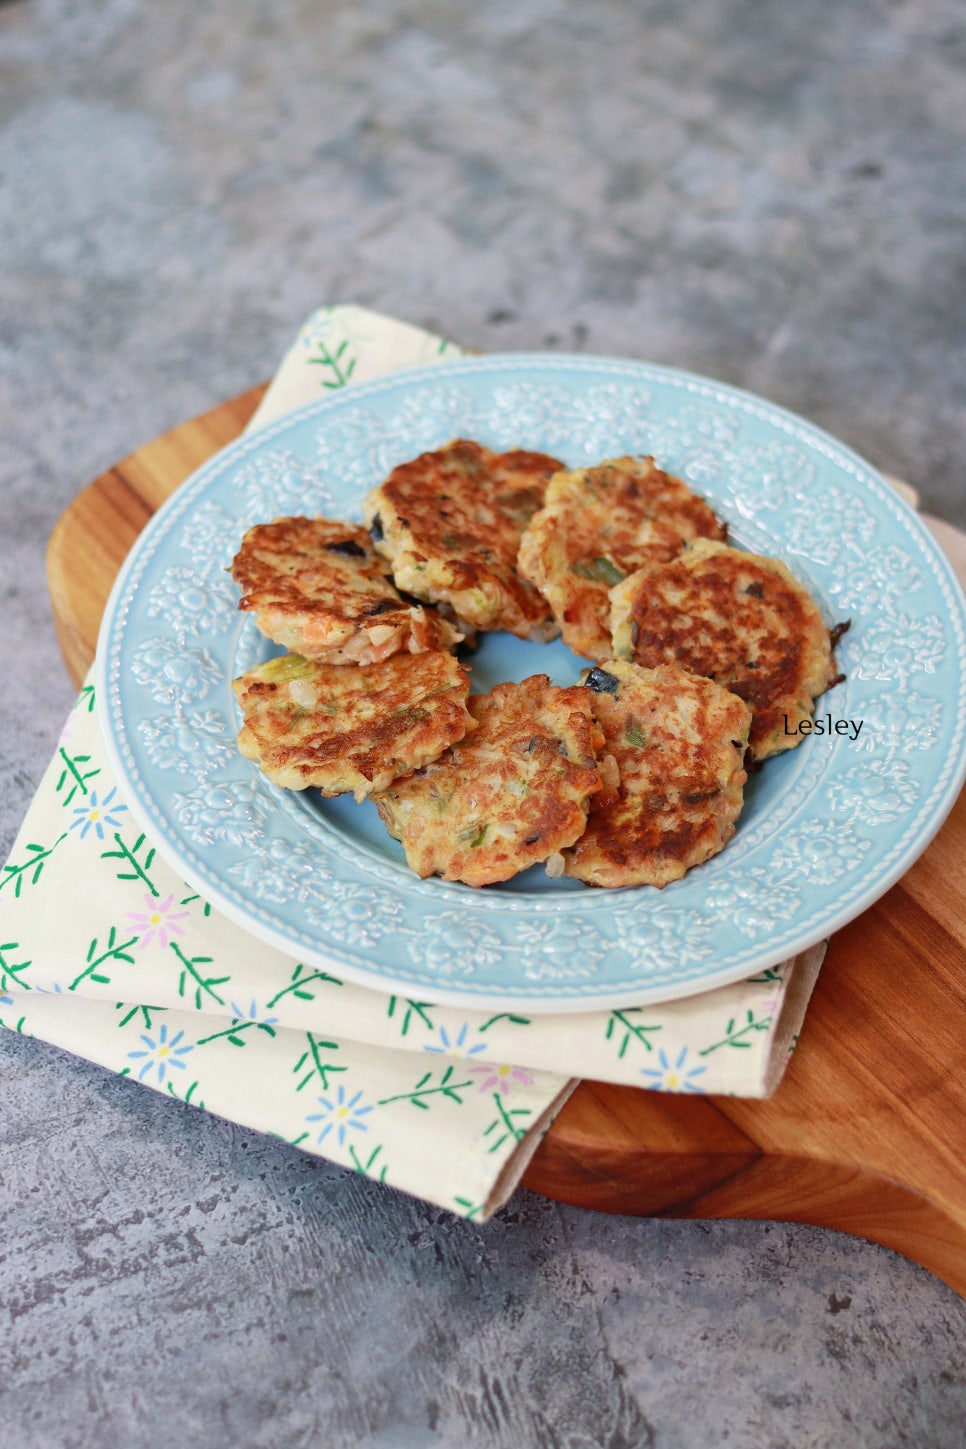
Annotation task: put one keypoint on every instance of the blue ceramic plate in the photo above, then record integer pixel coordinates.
(825, 829)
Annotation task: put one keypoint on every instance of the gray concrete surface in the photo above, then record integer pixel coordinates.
(771, 194)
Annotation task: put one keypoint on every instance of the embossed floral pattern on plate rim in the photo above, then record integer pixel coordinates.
(811, 851)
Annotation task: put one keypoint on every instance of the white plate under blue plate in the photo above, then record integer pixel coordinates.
(825, 829)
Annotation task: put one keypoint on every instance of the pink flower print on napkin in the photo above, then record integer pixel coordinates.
(158, 920)
(498, 1078)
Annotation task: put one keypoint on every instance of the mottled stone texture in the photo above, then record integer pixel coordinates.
(773, 194)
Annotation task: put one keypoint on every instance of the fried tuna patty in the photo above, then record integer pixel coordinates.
(738, 618)
(450, 524)
(318, 588)
(351, 729)
(509, 795)
(596, 526)
(678, 743)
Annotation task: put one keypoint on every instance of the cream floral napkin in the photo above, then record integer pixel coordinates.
(106, 952)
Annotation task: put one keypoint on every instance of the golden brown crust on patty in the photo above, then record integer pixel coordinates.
(596, 526)
(357, 729)
(738, 618)
(450, 524)
(509, 795)
(318, 588)
(678, 743)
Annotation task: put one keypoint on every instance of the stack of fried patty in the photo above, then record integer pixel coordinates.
(629, 777)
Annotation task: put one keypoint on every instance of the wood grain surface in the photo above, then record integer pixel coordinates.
(864, 1135)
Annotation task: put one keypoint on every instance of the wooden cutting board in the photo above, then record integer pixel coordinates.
(865, 1133)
